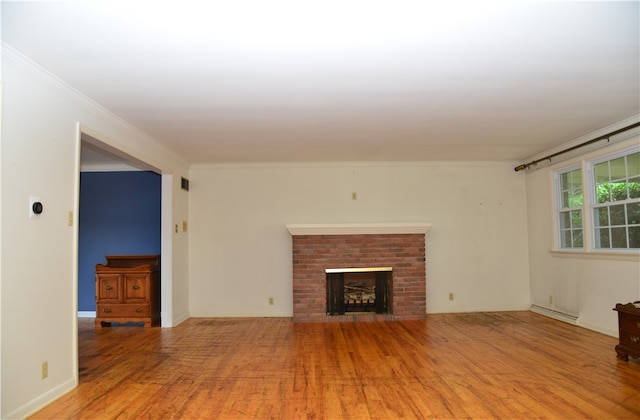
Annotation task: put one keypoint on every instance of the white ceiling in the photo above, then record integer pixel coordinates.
(275, 81)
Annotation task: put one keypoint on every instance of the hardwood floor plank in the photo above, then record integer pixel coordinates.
(508, 365)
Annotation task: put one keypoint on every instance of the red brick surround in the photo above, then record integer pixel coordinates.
(404, 252)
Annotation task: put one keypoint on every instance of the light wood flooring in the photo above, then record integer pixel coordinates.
(506, 365)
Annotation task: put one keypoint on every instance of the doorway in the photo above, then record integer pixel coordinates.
(119, 214)
(96, 155)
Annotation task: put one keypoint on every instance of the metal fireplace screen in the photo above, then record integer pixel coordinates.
(359, 290)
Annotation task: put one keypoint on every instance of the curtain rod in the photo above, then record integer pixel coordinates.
(548, 157)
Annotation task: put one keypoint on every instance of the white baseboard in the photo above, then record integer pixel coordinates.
(433, 309)
(86, 314)
(598, 328)
(42, 400)
(552, 313)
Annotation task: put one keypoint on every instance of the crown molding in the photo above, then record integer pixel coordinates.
(23, 64)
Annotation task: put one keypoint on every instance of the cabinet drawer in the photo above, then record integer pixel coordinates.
(108, 288)
(629, 323)
(630, 338)
(629, 330)
(135, 288)
(123, 310)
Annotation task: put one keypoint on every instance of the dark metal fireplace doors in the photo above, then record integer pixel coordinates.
(359, 290)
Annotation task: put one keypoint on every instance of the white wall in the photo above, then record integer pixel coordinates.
(586, 286)
(240, 250)
(40, 156)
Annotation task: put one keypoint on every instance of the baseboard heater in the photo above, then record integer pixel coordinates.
(552, 313)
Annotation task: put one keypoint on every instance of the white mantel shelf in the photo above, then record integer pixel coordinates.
(358, 228)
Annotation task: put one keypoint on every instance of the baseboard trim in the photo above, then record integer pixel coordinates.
(42, 400)
(86, 314)
(552, 313)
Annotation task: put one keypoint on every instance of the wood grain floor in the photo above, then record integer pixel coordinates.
(508, 365)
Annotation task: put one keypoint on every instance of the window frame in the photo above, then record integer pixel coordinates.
(589, 205)
(593, 200)
(559, 209)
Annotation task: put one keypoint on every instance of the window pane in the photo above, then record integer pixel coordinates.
(571, 180)
(619, 237)
(575, 198)
(601, 216)
(571, 188)
(603, 238)
(577, 238)
(565, 239)
(634, 187)
(575, 179)
(633, 213)
(565, 220)
(576, 219)
(618, 191)
(616, 214)
(601, 172)
(603, 193)
(618, 169)
(634, 237)
(633, 164)
(564, 181)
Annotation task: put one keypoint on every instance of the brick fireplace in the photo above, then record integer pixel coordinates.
(322, 247)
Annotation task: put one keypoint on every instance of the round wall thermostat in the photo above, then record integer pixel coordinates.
(37, 207)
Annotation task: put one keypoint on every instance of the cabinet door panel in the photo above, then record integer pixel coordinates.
(108, 288)
(135, 288)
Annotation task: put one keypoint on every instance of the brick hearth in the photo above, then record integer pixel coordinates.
(319, 247)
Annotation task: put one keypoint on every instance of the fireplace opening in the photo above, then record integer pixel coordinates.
(359, 290)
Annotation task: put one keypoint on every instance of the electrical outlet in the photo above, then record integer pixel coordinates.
(44, 369)
(69, 218)
(354, 196)
(550, 299)
(451, 296)
(270, 300)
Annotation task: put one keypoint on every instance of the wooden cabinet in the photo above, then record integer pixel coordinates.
(128, 290)
(629, 330)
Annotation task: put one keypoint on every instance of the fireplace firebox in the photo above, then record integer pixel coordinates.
(359, 290)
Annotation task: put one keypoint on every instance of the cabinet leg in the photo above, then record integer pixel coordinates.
(621, 354)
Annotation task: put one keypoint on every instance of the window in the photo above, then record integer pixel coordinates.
(570, 211)
(600, 211)
(616, 202)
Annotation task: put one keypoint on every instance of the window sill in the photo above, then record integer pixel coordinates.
(598, 255)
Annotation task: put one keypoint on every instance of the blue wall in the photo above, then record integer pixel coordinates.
(119, 214)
